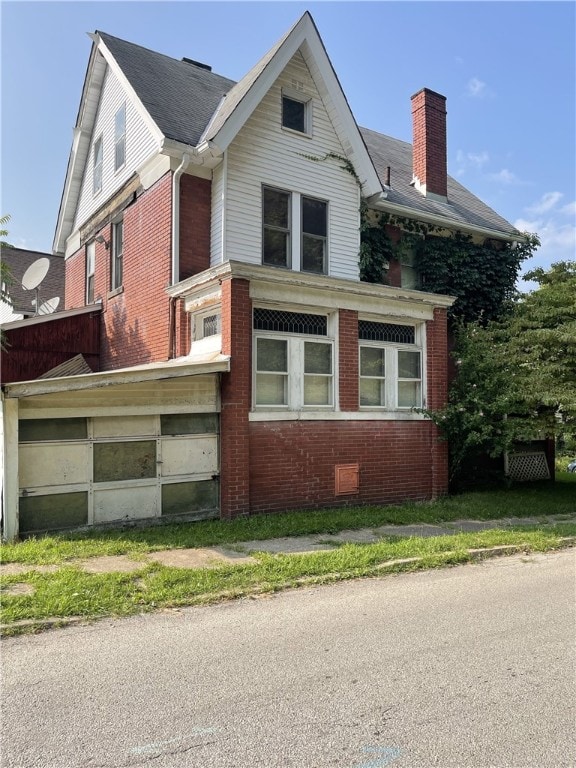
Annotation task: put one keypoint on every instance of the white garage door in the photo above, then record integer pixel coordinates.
(85, 471)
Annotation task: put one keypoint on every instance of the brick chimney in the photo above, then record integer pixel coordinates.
(429, 164)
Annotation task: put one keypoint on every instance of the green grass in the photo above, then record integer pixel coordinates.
(70, 592)
(532, 500)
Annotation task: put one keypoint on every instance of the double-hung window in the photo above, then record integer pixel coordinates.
(117, 255)
(90, 268)
(390, 365)
(98, 156)
(295, 231)
(296, 112)
(120, 138)
(293, 360)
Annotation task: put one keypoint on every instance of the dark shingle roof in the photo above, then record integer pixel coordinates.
(462, 206)
(18, 261)
(180, 97)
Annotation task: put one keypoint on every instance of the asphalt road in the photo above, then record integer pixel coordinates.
(470, 666)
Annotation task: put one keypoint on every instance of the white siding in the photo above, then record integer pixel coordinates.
(217, 220)
(264, 153)
(140, 145)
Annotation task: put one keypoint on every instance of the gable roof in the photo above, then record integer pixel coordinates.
(187, 104)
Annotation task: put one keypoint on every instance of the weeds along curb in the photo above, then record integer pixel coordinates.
(32, 626)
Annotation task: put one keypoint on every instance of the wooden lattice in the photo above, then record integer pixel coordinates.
(528, 466)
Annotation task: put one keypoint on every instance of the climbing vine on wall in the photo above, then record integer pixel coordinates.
(482, 276)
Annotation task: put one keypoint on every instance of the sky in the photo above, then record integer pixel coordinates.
(507, 70)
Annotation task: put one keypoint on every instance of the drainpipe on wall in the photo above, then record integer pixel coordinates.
(176, 218)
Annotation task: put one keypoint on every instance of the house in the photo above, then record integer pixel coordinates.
(24, 301)
(244, 366)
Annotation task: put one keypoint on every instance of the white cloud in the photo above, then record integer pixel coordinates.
(558, 243)
(467, 160)
(546, 202)
(475, 87)
(569, 209)
(505, 177)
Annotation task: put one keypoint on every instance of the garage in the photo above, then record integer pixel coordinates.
(113, 454)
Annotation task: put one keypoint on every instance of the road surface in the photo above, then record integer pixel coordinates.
(472, 666)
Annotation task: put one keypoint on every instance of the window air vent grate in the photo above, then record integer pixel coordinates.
(398, 334)
(290, 322)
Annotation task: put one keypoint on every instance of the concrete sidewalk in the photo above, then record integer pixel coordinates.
(240, 552)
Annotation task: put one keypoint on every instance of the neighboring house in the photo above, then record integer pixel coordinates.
(22, 302)
(244, 367)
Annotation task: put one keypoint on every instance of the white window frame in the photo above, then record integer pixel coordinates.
(90, 271)
(306, 101)
(117, 256)
(98, 165)
(391, 377)
(295, 232)
(120, 138)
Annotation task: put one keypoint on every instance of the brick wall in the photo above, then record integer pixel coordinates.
(348, 360)
(236, 389)
(437, 372)
(292, 464)
(195, 203)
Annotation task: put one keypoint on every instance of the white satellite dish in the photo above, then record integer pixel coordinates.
(49, 306)
(35, 273)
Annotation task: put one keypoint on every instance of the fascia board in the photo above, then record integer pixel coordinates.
(87, 381)
(305, 36)
(126, 85)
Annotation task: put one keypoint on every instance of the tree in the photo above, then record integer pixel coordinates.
(516, 376)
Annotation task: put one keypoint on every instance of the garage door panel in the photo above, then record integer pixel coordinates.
(134, 503)
(185, 456)
(54, 464)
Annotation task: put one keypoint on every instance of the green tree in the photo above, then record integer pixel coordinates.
(516, 376)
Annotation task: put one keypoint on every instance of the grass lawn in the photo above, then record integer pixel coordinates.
(69, 591)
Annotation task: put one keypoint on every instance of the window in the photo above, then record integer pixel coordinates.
(90, 266)
(206, 325)
(117, 255)
(307, 252)
(296, 112)
(276, 221)
(292, 371)
(98, 157)
(314, 235)
(409, 277)
(120, 138)
(390, 372)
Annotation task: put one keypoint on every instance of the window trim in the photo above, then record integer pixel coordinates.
(90, 272)
(97, 165)
(295, 231)
(120, 138)
(115, 257)
(306, 101)
(391, 368)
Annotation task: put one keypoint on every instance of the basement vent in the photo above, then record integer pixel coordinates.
(528, 466)
(346, 479)
(290, 322)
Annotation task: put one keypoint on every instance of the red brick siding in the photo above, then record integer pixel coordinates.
(137, 320)
(437, 373)
(292, 464)
(429, 141)
(75, 277)
(348, 360)
(195, 203)
(235, 392)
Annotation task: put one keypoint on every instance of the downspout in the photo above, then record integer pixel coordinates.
(176, 218)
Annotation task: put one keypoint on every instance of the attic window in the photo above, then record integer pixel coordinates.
(97, 177)
(120, 138)
(296, 112)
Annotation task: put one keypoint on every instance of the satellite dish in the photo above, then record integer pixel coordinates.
(35, 273)
(49, 306)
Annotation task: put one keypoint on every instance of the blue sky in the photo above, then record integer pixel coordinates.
(506, 68)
